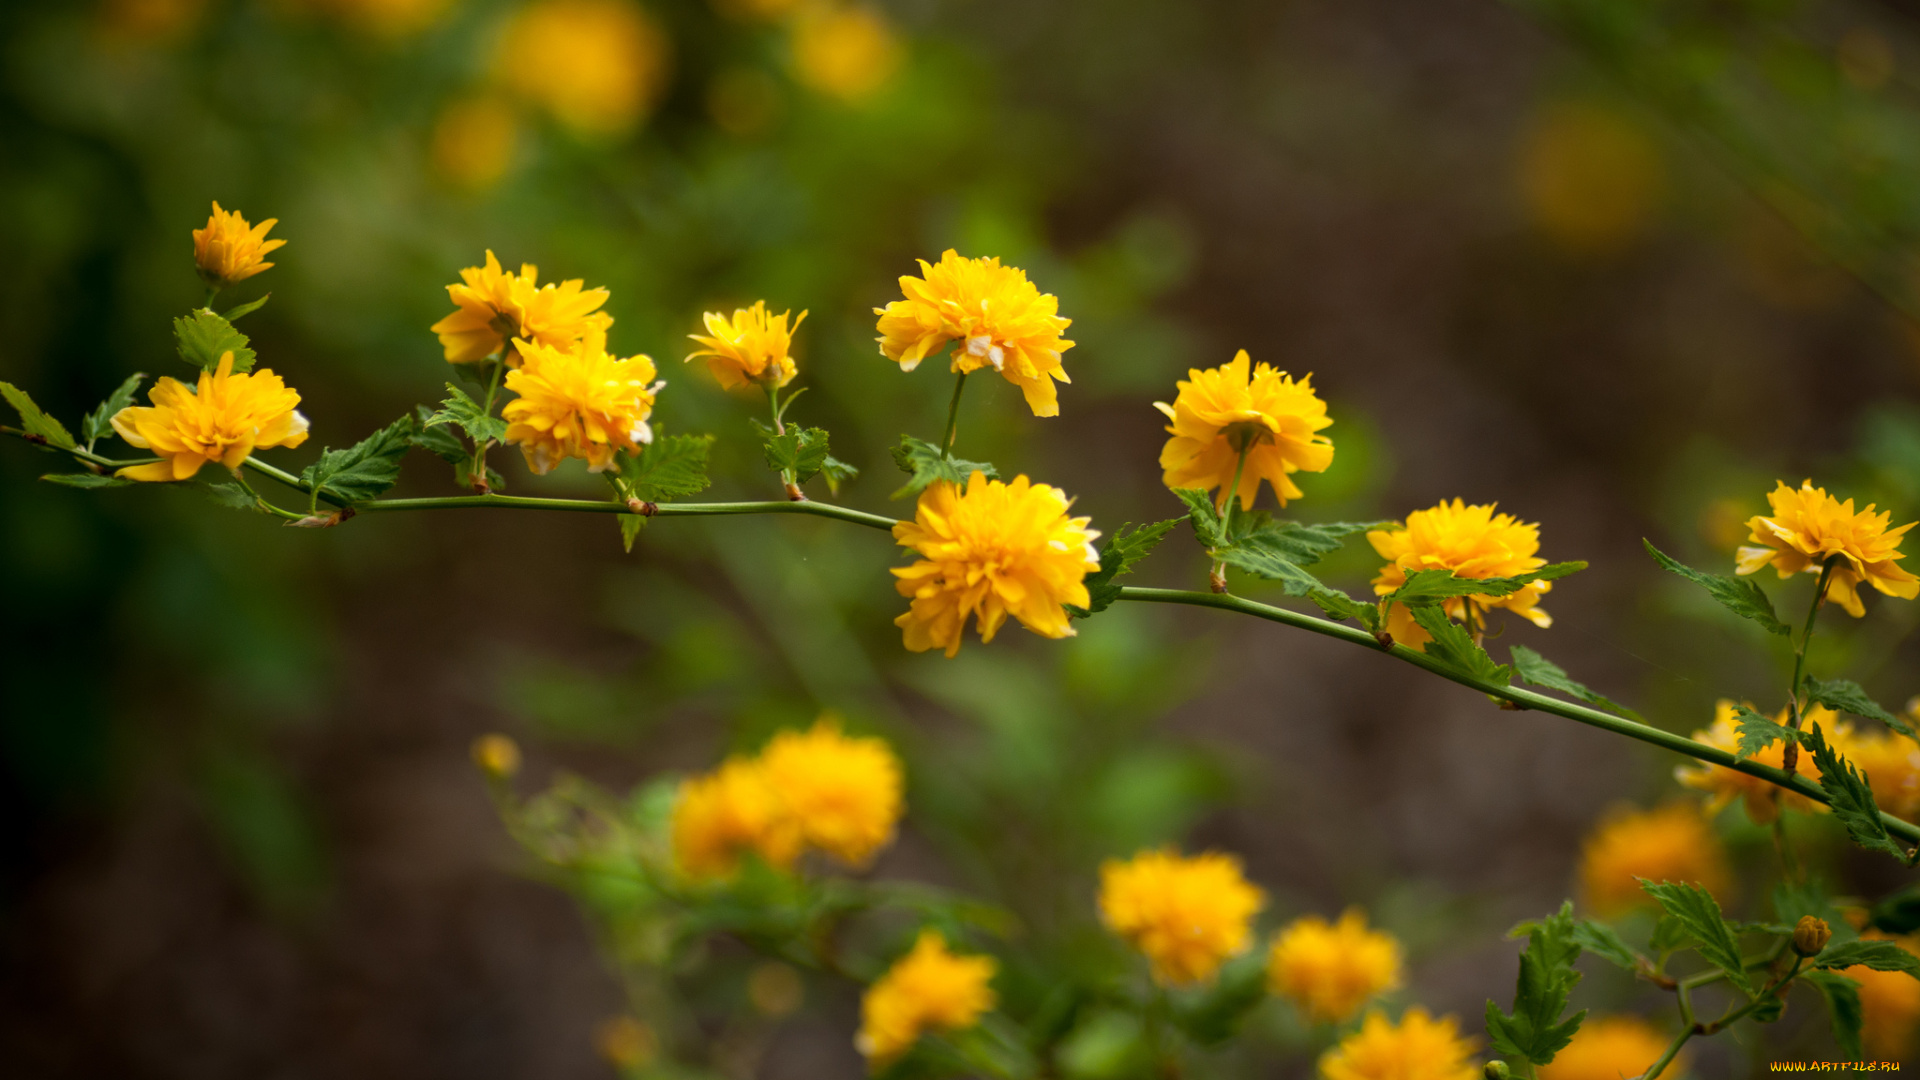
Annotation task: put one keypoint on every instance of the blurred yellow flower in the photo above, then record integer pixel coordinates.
(1810, 527)
(149, 21)
(998, 318)
(227, 418)
(597, 65)
(1417, 1048)
(1187, 915)
(1723, 785)
(728, 813)
(1892, 765)
(843, 793)
(497, 756)
(991, 550)
(1610, 1047)
(929, 989)
(1471, 541)
(626, 1043)
(1590, 178)
(753, 346)
(228, 250)
(496, 307)
(1222, 410)
(847, 53)
(1672, 843)
(387, 18)
(1330, 970)
(473, 141)
(1889, 1004)
(578, 402)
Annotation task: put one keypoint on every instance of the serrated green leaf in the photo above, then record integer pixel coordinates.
(925, 464)
(1534, 1030)
(1845, 695)
(231, 495)
(1843, 1009)
(365, 469)
(1537, 670)
(1297, 543)
(461, 410)
(1850, 797)
(35, 421)
(837, 472)
(1454, 647)
(630, 526)
(87, 480)
(1205, 518)
(802, 451)
(234, 314)
(1742, 596)
(100, 421)
(1758, 732)
(436, 440)
(1668, 935)
(1297, 581)
(1128, 546)
(1878, 955)
(1434, 586)
(666, 468)
(203, 337)
(1696, 909)
(1603, 941)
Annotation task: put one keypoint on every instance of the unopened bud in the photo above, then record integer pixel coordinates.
(497, 756)
(1497, 1070)
(1810, 935)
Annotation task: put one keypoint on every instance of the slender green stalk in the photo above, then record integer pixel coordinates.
(212, 291)
(1673, 1049)
(1217, 578)
(261, 502)
(293, 482)
(597, 506)
(780, 428)
(953, 416)
(477, 472)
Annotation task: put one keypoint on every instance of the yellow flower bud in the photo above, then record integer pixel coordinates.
(1810, 935)
(497, 756)
(1497, 1070)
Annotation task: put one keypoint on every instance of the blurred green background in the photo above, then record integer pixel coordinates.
(1616, 265)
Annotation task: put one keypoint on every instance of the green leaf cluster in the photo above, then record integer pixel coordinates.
(1455, 648)
(1697, 913)
(364, 470)
(203, 337)
(1536, 1029)
(1435, 586)
(1280, 551)
(1128, 546)
(461, 410)
(100, 420)
(802, 454)
(1850, 797)
(1742, 596)
(925, 463)
(1536, 670)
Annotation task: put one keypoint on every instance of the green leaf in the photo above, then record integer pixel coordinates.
(1205, 519)
(1758, 732)
(1843, 1009)
(233, 314)
(87, 480)
(1668, 935)
(203, 337)
(1453, 647)
(100, 421)
(801, 451)
(837, 472)
(1794, 899)
(630, 526)
(1434, 586)
(33, 421)
(1696, 909)
(1128, 546)
(1898, 913)
(1603, 941)
(1262, 562)
(1215, 1016)
(437, 440)
(1742, 596)
(666, 468)
(1299, 544)
(1844, 695)
(1534, 1029)
(231, 495)
(365, 469)
(464, 411)
(1878, 955)
(1850, 797)
(926, 464)
(1537, 670)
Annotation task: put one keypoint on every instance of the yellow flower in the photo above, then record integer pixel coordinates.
(229, 250)
(497, 307)
(997, 317)
(929, 989)
(1723, 785)
(753, 346)
(1673, 843)
(578, 402)
(847, 53)
(1187, 915)
(991, 550)
(1330, 969)
(473, 142)
(229, 417)
(1810, 527)
(1220, 410)
(1610, 1047)
(729, 813)
(843, 793)
(1889, 1004)
(1471, 541)
(596, 65)
(1417, 1048)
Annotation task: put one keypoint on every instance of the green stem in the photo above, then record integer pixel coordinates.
(212, 291)
(477, 472)
(953, 417)
(593, 506)
(780, 428)
(1217, 578)
(1673, 1049)
(292, 481)
(1790, 757)
(261, 502)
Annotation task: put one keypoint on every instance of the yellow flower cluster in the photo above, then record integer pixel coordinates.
(929, 989)
(1672, 843)
(815, 789)
(1610, 1047)
(1892, 766)
(229, 250)
(1187, 915)
(222, 421)
(1222, 412)
(501, 310)
(578, 402)
(1419, 1047)
(1470, 541)
(987, 551)
(1810, 529)
(992, 315)
(1330, 970)
(751, 347)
